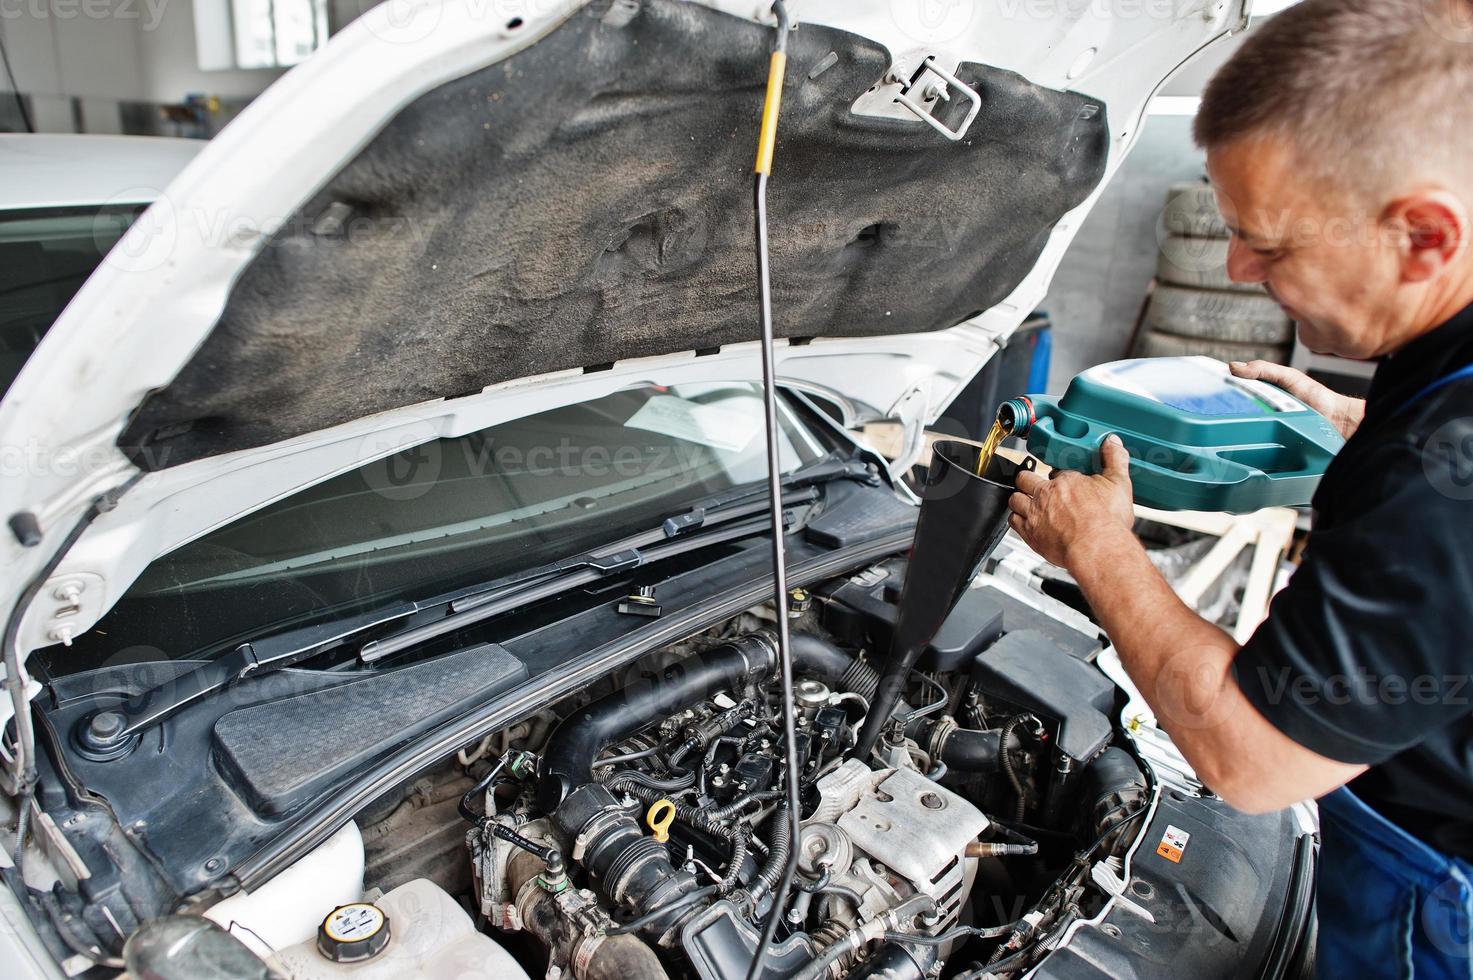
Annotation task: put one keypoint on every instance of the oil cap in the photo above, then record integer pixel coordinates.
(353, 933)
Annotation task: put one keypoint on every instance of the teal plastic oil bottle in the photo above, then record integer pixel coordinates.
(1199, 438)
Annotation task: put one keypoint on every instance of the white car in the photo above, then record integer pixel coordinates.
(385, 578)
(64, 203)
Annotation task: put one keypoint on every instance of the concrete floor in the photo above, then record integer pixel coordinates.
(1097, 292)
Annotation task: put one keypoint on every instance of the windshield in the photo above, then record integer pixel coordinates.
(45, 256)
(443, 514)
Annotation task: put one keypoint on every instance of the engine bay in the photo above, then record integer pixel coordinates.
(639, 828)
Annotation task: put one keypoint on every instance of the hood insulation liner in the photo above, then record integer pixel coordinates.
(589, 199)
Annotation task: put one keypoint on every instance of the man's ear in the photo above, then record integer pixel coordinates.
(1434, 227)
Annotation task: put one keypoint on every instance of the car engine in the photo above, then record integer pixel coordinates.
(641, 828)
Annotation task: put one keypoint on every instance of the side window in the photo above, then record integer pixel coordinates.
(45, 256)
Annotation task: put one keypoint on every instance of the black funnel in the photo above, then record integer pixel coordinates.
(963, 517)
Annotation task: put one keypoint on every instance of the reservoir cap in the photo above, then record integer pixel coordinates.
(353, 933)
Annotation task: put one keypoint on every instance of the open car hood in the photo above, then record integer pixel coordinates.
(451, 216)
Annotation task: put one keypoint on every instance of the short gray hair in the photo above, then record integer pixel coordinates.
(1365, 91)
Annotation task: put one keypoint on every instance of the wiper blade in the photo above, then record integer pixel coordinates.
(727, 506)
(701, 521)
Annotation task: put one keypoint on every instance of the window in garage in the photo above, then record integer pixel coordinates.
(258, 33)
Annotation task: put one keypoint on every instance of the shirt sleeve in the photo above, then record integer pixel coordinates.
(1364, 652)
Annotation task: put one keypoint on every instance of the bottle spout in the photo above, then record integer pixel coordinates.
(1016, 416)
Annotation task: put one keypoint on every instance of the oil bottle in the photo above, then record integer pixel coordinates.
(1199, 438)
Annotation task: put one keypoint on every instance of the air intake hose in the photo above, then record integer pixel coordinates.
(962, 749)
(567, 762)
(632, 867)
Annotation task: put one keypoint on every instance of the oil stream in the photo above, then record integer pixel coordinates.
(995, 436)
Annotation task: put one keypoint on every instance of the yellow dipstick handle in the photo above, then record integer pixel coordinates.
(768, 136)
(660, 816)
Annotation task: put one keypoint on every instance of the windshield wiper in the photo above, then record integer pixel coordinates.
(113, 731)
(629, 554)
(825, 470)
(729, 505)
(704, 520)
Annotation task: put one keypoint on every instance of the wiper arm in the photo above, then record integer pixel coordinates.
(826, 470)
(112, 732)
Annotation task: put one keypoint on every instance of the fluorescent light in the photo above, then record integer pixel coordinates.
(1173, 105)
(1267, 8)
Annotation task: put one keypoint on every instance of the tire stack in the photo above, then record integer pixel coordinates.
(1194, 308)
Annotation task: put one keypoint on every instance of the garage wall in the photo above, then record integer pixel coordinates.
(64, 48)
(171, 62)
(88, 58)
(1097, 293)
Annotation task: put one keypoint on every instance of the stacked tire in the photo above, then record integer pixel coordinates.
(1194, 308)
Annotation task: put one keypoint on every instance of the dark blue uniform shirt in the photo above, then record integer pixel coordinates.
(1366, 655)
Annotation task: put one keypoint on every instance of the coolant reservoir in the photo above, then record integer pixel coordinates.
(1199, 438)
(429, 937)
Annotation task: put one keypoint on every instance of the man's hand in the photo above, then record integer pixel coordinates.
(1058, 515)
(1343, 411)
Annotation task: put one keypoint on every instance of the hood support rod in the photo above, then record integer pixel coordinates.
(23, 779)
(766, 143)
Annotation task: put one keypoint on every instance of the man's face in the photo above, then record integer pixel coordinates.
(1319, 254)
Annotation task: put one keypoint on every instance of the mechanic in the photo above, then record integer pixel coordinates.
(1338, 148)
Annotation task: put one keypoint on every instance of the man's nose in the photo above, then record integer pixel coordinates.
(1243, 265)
